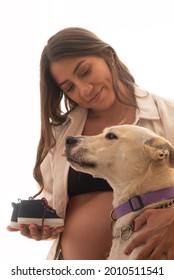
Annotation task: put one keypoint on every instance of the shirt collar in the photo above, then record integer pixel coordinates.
(77, 114)
(146, 105)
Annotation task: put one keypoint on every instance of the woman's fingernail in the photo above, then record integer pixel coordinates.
(21, 227)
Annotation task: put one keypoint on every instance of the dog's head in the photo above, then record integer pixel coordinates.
(119, 150)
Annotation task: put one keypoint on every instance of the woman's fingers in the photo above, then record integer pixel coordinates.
(24, 231)
(35, 232)
(136, 242)
(9, 228)
(141, 220)
(38, 233)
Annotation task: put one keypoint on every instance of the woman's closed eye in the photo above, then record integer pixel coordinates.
(84, 72)
(68, 87)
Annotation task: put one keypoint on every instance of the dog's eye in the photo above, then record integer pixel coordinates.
(111, 136)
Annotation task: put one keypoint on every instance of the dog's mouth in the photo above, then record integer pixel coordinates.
(77, 159)
(80, 162)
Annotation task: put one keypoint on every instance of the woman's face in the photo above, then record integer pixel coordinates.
(86, 80)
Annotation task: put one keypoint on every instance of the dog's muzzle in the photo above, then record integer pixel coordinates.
(75, 152)
(70, 141)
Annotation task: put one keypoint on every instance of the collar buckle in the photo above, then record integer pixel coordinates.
(136, 203)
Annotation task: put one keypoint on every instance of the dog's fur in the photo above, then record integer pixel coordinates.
(134, 160)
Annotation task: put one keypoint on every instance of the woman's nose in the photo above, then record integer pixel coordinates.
(85, 89)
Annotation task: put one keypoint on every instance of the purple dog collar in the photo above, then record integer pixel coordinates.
(140, 201)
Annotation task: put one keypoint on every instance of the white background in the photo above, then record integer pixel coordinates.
(141, 32)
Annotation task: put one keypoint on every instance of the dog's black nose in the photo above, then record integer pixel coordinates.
(70, 141)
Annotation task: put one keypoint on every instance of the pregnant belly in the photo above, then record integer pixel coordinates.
(88, 233)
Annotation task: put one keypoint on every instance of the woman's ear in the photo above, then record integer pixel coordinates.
(111, 54)
(113, 58)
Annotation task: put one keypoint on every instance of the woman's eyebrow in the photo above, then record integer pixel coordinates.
(78, 65)
(75, 70)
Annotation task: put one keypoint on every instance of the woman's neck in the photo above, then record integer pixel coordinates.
(117, 113)
(96, 122)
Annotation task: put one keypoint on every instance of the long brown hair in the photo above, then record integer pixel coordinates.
(71, 42)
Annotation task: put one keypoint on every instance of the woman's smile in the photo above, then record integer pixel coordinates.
(96, 97)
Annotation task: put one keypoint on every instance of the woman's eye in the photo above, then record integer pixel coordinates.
(85, 72)
(68, 88)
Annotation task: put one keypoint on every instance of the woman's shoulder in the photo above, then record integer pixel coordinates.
(160, 101)
(165, 105)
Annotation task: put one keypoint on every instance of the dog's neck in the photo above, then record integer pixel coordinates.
(152, 180)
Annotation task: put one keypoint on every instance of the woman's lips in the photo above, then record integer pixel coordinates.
(96, 97)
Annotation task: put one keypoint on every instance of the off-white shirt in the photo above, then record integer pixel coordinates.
(154, 112)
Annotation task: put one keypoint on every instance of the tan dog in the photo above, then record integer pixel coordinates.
(134, 161)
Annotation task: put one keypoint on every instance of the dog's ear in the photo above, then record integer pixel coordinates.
(160, 149)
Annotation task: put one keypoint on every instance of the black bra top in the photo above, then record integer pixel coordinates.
(79, 183)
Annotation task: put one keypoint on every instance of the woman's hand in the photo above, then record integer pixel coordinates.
(34, 232)
(157, 235)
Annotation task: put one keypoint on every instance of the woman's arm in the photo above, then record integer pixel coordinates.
(157, 235)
